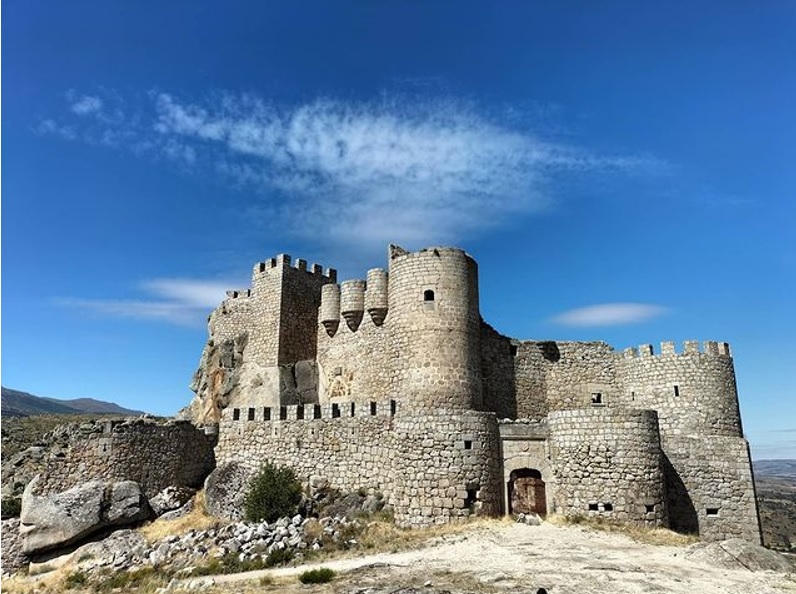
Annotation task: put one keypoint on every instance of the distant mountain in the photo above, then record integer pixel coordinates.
(775, 468)
(21, 404)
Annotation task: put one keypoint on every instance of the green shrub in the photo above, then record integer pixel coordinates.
(279, 557)
(75, 580)
(273, 492)
(10, 507)
(321, 575)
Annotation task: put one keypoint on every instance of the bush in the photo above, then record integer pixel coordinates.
(274, 492)
(75, 580)
(321, 575)
(10, 507)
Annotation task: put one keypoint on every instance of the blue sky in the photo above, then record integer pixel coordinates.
(635, 159)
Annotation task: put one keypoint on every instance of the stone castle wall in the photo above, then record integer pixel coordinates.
(608, 461)
(432, 468)
(152, 454)
(710, 487)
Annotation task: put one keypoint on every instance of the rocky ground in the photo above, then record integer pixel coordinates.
(498, 556)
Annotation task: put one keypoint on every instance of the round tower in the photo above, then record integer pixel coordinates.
(376, 299)
(352, 302)
(330, 308)
(694, 392)
(607, 462)
(435, 327)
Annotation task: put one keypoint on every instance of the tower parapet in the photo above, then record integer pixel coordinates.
(693, 391)
(352, 302)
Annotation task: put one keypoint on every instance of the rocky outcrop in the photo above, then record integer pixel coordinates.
(225, 488)
(60, 519)
(737, 553)
(216, 380)
(170, 498)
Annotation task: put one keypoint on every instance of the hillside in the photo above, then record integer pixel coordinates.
(22, 404)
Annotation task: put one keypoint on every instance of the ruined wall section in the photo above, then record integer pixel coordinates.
(435, 326)
(431, 468)
(607, 461)
(152, 454)
(497, 373)
(694, 392)
(710, 487)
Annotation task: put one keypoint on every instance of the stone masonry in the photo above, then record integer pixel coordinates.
(395, 384)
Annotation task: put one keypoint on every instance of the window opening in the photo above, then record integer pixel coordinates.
(513, 349)
(251, 414)
(649, 508)
(393, 406)
(335, 410)
(468, 445)
(593, 507)
(428, 295)
(236, 414)
(283, 412)
(300, 411)
(608, 506)
(316, 411)
(677, 390)
(596, 398)
(267, 413)
(353, 409)
(712, 511)
(373, 409)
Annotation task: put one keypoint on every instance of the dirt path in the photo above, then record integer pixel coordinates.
(562, 559)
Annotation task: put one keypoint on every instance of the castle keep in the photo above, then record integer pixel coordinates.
(395, 384)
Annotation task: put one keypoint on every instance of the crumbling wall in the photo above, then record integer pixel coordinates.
(152, 454)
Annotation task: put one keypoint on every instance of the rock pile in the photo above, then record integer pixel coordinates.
(247, 542)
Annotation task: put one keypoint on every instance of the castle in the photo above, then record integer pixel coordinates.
(395, 384)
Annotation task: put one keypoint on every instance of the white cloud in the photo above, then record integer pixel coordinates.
(609, 314)
(86, 105)
(177, 301)
(354, 174)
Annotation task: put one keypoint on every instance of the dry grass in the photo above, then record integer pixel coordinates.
(196, 519)
(642, 534)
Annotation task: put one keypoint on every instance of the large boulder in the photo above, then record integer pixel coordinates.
(737, 553)
(60, 519)
(171, 498)
(225, 489)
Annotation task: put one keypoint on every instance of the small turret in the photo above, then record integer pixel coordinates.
(376, 295)
(330, 308)
(352, 302)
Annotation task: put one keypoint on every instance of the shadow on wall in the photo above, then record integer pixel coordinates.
(550, 352)
(682, 513)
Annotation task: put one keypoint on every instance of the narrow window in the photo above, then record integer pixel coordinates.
(262, 266)
(251, 414)
(633, 396)
(593, 507)
(712, 511)
(316, 411)
(677, 390)
(353, 410)
(649, 508)
(335, 411)
(428, 295)
(236, 414)
(472, 497)
(300, 411)
(596, 398)
(283, 412)
(373, 409)
(608, 506)
(267, 413)
(393, 406)
(513, 349)
(468, 445)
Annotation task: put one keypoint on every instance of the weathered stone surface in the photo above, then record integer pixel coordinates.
(171, 498)
(736, 553)
(60, 519)
(13, 557)
(225, 489)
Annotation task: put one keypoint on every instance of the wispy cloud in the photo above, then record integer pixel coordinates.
(177, 301)
(414, 171)
(84, 104)
(610, 314)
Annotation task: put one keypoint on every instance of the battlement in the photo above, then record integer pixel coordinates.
(310, 412)
(239, 293)
(690, 347)
(396, 252)
(283, 261)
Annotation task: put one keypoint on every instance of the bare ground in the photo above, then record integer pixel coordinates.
(499, 557)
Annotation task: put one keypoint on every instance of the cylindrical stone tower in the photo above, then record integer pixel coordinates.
(607, 461)
(376, 295)
(330, 308)
(352, 302)
(435, 328)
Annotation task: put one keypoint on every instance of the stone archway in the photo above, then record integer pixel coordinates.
(527, 492)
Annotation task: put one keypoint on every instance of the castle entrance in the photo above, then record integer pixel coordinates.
(527, 492)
